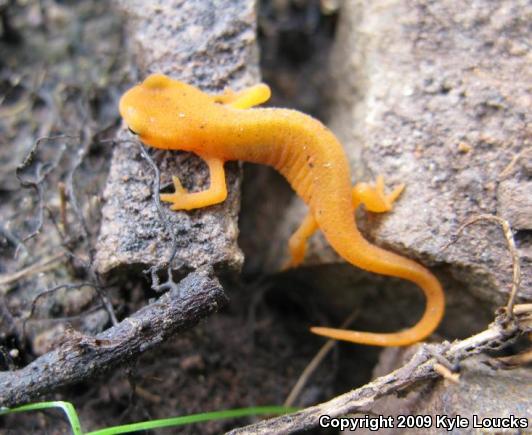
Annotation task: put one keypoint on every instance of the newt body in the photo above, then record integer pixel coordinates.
(169, 114)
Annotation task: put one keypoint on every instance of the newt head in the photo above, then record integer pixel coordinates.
(165, 113)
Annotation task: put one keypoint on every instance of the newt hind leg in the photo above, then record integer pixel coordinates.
(372, 197)
(216, 193)
(297, 244)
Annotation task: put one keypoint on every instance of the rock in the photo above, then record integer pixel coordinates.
(515, 203)
(482, 393)
(210, 47)
(439, 109)
(436, 96)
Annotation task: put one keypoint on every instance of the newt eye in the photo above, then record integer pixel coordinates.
(132, 132)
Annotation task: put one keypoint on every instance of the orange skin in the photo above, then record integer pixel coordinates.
(169, 114)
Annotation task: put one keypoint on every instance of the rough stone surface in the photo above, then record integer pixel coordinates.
(482, 391)
(514, 200)
(437, 95)
(443, 110)
(210, 45)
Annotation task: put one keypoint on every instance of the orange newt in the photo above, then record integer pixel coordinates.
(169, 114)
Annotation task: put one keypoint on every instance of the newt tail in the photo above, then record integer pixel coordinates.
(169, 114)
(391, 264)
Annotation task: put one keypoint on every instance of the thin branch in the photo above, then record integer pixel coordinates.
(157, 200)
(82, 357)
(516, 268)
(42, 170)
(48, 292)
(63, 206)
(520, 359)
(7, 322)
(445, 373)
(12, 238)
(71, 191)
(38, 267)
(316, 361)
(511, 166)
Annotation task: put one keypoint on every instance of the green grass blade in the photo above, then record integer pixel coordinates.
(67, 407)
(194, 418)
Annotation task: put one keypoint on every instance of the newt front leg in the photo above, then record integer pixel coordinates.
(216, 193)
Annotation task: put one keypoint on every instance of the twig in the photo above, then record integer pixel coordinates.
(315, 362)
(71, 191)
(64, 319)
(41, 266)
(96, 284)
(7, 322)
(63, 206)
(508, 170)
(157, 200)
(12, 238)
(42, 170)
(516, 269)
(517, 360)
(66, 243)
(445, 373)
(169, 284)
(419, 368)
(81, 358)
(49, 292)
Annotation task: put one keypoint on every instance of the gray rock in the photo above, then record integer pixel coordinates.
(515, 203)
(208, 45)
(436, 95)
(481, 393)
(444, 113)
